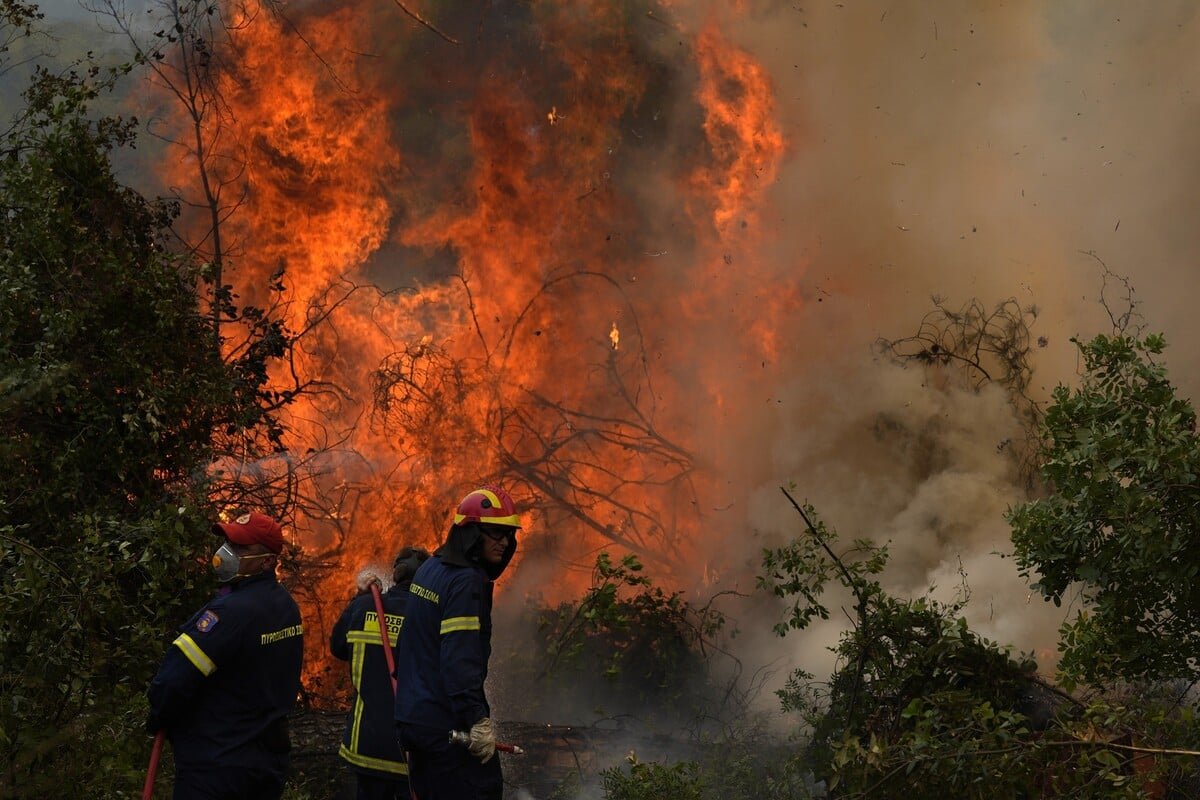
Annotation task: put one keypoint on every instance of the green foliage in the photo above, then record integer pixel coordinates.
(1121, 456)
(17, 20)
(111, 384)
(800, 571)
(900, 655)
(636, 648)
(953, 746)
(653, 781)
(919, 705)
(736, 769)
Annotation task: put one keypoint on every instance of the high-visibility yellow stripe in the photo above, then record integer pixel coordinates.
(452, 624)
(363, 637)
(195, 655)
(356, 669)
(381, 764)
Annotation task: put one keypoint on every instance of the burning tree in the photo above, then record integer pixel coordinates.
(498, 245)
(595, 466)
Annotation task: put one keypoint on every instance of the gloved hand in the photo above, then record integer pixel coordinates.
(483, 740)
(365, 577)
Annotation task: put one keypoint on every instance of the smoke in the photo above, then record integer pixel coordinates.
(749, 246)
(751, 193)
(969, 151)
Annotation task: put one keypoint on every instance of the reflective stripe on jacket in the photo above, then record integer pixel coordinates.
(369, 741)
(230, 678)
(444, 650)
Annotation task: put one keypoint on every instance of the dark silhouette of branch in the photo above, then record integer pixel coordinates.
(1124, 316)
(598, 463)
(424, 22)
(862, 599)
(987, 346)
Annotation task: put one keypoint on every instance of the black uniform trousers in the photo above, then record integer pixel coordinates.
(228, 783)
(439, 770)
(372, 786)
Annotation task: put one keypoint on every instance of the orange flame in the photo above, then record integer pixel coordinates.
(451, 251)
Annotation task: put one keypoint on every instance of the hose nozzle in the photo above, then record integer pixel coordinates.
(464, 738)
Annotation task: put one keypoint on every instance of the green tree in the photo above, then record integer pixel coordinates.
(111, 386)
(1121, 522)
(641, 651)
(921, 706)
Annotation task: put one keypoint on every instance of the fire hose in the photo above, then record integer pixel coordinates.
(386, 640)
(155, 754)
(384, 636)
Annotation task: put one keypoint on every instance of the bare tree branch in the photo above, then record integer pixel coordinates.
(424, 22)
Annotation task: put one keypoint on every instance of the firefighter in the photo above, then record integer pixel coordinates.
(228, 681)
(444, 650)
(369, 744)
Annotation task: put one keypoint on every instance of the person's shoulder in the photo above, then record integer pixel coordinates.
(288, 599)
(466, 577)
(359, 604)
(396, 602)
(258, 596)
(433, 570)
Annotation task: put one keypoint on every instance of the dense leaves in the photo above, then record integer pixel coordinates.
(111, 383)
(920, 705)
(642, 652)
(1120, 524)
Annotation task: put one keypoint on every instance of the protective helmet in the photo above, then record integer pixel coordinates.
(489, 505)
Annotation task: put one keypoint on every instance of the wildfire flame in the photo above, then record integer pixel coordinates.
(450, 251)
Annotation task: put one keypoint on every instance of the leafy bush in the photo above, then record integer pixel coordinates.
(111, 384)
(919, 702)
(654, 781)
(737, 769)
(1122, 459)
(626, 648)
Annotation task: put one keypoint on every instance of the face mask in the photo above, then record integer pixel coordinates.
(228, 564)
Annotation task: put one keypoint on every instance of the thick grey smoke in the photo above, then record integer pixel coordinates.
(967, 150)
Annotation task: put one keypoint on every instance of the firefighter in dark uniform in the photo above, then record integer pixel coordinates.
(445, 645)
(227, 683)
(370, 744)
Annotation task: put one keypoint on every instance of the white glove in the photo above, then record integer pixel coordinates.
(483, 740)
(365, 577)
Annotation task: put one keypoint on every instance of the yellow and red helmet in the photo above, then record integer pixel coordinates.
(489, 505)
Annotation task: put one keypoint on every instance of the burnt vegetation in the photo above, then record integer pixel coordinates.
(587, 465)
(140, 395)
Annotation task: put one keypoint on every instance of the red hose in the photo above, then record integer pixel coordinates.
(384, 636)
(386, 641)
(155, 753)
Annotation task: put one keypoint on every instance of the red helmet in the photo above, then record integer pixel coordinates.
(489, 505)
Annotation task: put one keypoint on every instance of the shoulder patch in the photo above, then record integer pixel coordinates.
(207, 622)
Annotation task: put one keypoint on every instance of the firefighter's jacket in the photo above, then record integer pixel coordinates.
(227, 683)
(446, 642)
(369, 742)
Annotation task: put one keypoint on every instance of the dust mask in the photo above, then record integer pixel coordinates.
(228, 564)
